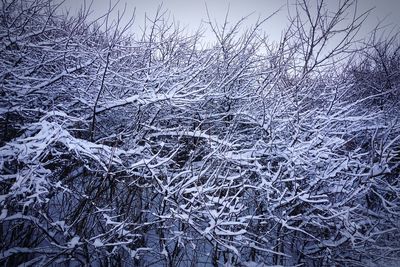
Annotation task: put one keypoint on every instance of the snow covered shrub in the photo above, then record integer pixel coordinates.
(119, 150)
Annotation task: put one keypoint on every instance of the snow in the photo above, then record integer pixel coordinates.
(74, 242)
(98, 243)
(153, 150)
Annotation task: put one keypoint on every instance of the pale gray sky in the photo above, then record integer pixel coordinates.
(191, 13)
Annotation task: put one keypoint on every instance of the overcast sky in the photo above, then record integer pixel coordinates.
(191, 13)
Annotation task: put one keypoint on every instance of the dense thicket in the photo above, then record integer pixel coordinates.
(148, 150)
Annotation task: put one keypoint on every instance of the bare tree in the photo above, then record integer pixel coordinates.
(119, 150)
